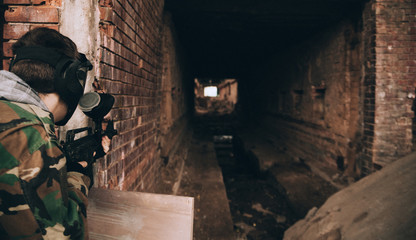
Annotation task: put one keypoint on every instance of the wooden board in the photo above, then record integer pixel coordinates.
(134, 215)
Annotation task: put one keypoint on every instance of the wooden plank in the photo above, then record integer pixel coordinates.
(134, 215)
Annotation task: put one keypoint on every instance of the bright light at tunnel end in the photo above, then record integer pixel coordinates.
(210, 91)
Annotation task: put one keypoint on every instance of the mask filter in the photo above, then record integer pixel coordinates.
(96, 105)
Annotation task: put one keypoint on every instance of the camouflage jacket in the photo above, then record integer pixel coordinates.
(38, 199)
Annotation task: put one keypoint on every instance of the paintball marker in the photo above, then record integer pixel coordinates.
(96, 106)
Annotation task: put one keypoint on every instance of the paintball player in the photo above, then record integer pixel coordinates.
(38, 198)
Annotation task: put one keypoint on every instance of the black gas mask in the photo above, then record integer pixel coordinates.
(70, 74)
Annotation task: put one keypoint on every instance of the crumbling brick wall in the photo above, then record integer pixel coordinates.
(175, 89)
(395, 66)
(343, 100)
(130, 69)
(369, 89)
(127, 65)
(312, 99)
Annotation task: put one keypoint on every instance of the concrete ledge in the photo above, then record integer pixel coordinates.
(202, 179)
(380, 206)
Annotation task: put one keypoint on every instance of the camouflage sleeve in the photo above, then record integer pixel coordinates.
(31, 200)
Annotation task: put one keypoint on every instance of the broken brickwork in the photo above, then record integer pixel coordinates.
(130, 54)
(127, 58)
(395, 68)
(342, 100)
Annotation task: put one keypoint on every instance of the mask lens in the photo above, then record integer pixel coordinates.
(82, 76)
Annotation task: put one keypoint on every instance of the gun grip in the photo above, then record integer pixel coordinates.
(110, 132)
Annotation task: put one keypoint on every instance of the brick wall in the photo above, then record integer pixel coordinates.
(368, 44)
(130, 69)
(310, 99)
(22, 15)
(345, 97)
(395, 68)
(175, 89)
(128, 64)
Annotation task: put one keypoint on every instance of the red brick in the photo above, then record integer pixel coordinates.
(17, 2)
(47, 2)
(106, 14)
(32, 14)
(11, 31)
(7, 49)
(108, 29)
(6, 63)
(106, 3)
(35, 2)
(14, 31)
(51, 26)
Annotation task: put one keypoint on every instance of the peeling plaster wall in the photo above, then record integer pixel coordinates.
(79, 20)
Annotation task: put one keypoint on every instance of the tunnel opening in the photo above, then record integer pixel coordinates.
(215, 96)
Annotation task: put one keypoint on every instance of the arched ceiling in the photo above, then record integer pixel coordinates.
(224, 38)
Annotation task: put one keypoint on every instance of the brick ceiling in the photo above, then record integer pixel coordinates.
(224, 38)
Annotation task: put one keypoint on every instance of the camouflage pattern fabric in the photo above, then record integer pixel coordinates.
(32, 203)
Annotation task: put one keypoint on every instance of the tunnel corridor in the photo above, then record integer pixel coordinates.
(301, 69)
(303, 127)
(309, 126)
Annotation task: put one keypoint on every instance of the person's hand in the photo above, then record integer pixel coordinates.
(84, 164)
(106, 142)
